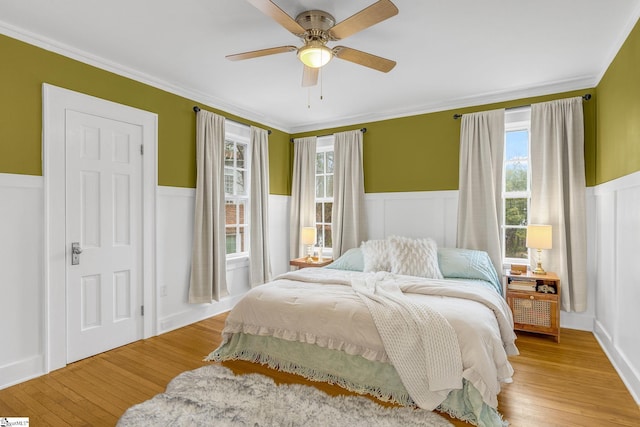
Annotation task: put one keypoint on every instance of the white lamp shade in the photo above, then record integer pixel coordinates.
(538, 236)
(308, 235)
(315, 55)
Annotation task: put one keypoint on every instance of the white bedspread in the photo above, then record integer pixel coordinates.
(319, 306)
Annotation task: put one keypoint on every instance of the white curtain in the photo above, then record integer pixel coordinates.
(259, 260)
(480, 194)
(208, 255)
(303, 192)
(558, 193)
(348, 226)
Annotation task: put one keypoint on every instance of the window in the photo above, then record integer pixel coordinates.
(236, 188)
(516, 185)
(324, 191)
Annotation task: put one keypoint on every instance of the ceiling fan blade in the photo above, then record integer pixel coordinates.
(261, 52)
(272, 10)
(377, 12)
(364, 58)
(309, 76)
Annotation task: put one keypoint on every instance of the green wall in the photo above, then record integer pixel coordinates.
(618, 124)
(26, 67)
(420, 153)
(415, 153)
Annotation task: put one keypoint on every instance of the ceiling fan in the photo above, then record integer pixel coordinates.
(316, 28)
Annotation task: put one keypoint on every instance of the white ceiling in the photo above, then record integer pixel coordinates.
(450, 54)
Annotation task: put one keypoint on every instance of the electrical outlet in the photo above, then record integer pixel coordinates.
(163, 291)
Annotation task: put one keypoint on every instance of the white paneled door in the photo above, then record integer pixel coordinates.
(103, 234)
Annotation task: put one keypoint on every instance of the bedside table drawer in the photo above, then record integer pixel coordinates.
(534, 312)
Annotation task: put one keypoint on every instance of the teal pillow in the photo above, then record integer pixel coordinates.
(352, 260)
(453, 262)
(468, 264)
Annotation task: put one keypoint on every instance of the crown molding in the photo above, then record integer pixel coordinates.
(578, 83)
(617, 44)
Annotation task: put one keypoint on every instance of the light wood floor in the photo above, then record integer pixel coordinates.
(566, 384)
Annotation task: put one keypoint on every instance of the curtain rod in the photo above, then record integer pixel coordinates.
(585, 97)
(363, 130)
(196, 109)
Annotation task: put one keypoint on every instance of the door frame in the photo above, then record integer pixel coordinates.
(55, 102)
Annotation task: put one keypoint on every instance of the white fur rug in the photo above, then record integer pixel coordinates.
(214, 396)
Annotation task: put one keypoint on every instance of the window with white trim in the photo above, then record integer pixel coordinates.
(324, 192)
(516, 185)
(236, 188)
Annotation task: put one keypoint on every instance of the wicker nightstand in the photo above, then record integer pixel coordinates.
(302, 262)
(534, 300)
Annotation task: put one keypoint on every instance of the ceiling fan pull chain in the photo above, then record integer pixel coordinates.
(309, 98)
(321, 93)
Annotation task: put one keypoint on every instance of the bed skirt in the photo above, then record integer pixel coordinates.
(352, 372)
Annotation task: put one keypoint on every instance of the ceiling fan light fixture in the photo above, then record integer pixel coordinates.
(315, 54)
(315, 28)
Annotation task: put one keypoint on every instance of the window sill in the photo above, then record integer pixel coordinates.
(236, 262)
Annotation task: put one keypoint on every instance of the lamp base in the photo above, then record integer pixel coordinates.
(309, 254)
(539, 270)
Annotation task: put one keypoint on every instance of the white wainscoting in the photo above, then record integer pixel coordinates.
(174, 239)
(413, 214)
(22, 307)
(614, 272)
(584, 321)
(617, 237)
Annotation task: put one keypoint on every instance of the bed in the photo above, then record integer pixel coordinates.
(398, 319)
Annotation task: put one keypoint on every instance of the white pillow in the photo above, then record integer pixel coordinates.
(414, 257)
(376, 255)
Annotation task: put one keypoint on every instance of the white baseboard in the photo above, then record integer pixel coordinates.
(20, 371)
(198, 313)
(577, 321)
(627, 373)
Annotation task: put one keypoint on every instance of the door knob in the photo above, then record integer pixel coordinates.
(76, 250)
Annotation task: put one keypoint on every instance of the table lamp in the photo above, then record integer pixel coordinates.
(308, 240)
(539, 237)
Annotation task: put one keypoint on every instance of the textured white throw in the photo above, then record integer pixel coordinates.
(413, 335)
